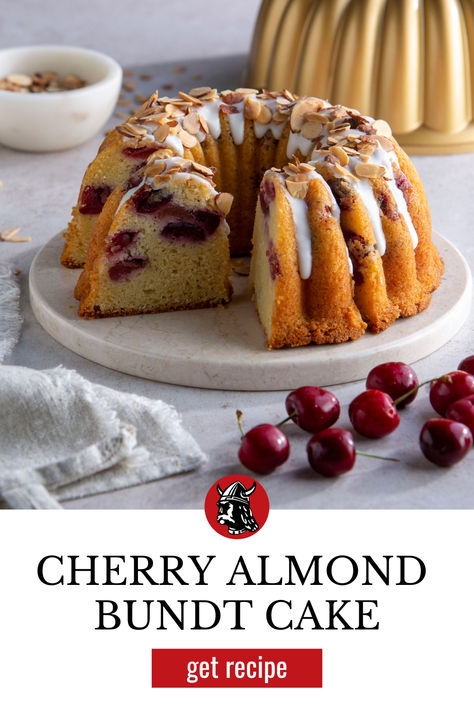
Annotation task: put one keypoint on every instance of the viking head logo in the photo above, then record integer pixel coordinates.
(234, 508)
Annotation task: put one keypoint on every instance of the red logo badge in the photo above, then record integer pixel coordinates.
(236, 506)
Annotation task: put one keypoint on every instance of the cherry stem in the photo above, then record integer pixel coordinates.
(239, 421)
(376, 456)
(417, 387)
(290, 417)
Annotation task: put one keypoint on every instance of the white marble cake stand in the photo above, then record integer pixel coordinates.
(224, 348)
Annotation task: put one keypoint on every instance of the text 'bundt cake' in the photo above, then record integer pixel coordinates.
(341, 233)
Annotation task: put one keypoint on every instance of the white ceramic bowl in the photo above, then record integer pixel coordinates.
(57, 120)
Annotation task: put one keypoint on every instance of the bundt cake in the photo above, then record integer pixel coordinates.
(159, 245)
(342, 232)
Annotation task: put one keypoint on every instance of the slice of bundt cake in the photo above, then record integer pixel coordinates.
(159, 245)
(300, 270)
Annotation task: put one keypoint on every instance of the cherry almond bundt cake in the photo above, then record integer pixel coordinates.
(341, 235)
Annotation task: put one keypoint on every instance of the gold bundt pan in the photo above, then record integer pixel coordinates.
(408, 61)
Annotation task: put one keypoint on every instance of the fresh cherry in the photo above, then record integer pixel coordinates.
(449, 388)
(445, 442)
(331, 452)
(467, 365)
(373, 414)
(395, 379)
(463, 411)
(264, 448)
(313, 409)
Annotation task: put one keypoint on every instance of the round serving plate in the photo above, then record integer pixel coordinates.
(224, 348)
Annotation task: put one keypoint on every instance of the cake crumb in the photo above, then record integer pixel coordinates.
(179, 70)
(124, 102)
(196, 77)
(129, 73)
(129, 86)
(167, 87)
(146, 77)
(16, 272)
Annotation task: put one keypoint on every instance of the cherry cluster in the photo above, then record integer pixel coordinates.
(374, 413)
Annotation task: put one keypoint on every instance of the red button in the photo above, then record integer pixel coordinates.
(296, 668)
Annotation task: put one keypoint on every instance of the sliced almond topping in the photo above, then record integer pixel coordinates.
(162, 133)
(252, 109)
(288, 95)
(200, 91)
(190, 98)
(246, 91)
(131, 130)
(365, 150)
(191, 123)
(306, 168)
(224, 202)
(311, 130)
(228, 109)
(385, 143)
(232, 97)
(203, 122)
(340, 169)
(302, 107)
(297, 189)
(154, 169)
(265, 115)
(382, 128)
(203, 169)
(209, 96)
(340, 154)
(299, 177)
(187, 139)
(369, 170)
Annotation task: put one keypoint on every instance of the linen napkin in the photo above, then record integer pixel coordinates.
(62, 437)
(10, 320)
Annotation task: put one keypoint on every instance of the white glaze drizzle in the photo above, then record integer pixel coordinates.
(299, 210)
